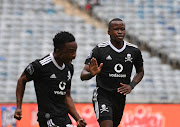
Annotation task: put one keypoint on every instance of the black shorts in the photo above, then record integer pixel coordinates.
(55, 122)
(108, 105)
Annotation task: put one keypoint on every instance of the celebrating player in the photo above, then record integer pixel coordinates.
(52, 81)
(112, 63)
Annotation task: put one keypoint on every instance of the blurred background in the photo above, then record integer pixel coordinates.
(27, 28)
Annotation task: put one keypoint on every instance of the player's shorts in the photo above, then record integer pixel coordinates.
(108, 105)
(54, 122)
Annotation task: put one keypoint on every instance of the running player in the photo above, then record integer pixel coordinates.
(112, 63)
(52, 81)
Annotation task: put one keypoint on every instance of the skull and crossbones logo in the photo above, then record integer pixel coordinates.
(104, 108)
(128, 58)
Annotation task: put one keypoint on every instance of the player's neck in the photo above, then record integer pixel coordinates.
(118, 45)
(58, 61)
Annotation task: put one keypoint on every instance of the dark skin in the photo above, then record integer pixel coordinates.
(63, 56)
(116, 32)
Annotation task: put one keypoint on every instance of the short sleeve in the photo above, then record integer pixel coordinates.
(32, 71)
(93, 53)
(70, 75)
(139, 60)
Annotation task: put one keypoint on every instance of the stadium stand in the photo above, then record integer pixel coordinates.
(27, 28)
(154, 23)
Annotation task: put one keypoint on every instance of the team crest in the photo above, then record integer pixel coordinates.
(128, 58)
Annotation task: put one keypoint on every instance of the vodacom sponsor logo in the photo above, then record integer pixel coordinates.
(118, 69)
(62, 86)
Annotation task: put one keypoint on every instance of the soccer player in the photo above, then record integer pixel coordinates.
(52, 81)
(112, 63)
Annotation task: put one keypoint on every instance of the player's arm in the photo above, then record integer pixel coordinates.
(127, 88)
(90, 70)
(138, 76)
(72, 110)
(19, 95)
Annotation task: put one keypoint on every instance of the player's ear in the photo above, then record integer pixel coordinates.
(58, 52)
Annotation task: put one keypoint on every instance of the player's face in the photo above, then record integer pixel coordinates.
(69, 52)
(117, 31)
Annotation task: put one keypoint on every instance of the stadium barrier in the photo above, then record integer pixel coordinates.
(135, 115)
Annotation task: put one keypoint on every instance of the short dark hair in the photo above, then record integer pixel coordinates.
(115, 19)
(61, 38)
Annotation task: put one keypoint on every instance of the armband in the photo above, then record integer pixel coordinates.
(132, 84)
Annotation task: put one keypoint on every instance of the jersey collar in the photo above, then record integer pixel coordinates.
(55, 63)
(117, 50)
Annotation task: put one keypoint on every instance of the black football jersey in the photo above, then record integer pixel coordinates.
(50, 82)
(117, 64)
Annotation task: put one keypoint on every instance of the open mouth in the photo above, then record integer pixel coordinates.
(120, 37)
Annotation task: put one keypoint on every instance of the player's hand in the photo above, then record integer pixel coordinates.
(81, 123)
(18, 114)
(93, 67)
(124, 89)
